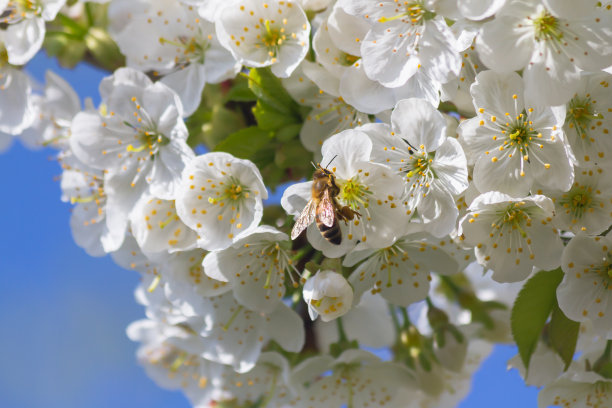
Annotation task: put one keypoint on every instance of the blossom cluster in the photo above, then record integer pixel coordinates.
(463, 153)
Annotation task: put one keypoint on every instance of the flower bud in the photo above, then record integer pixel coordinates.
(329, 294)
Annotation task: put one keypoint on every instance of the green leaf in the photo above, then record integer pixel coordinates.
(223, 123)
(65, 48)
(269, 89)
(288, 132)
(240, 91)
(294, 156)
(531, 309)
(245, 142)
(563, 335)
(269, 118)
(104, 49)
(71, 25)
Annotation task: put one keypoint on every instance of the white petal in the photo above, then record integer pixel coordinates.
(494, 92)
(16, 109)
(188, 83)
(419, 123)
(364, 94)
(479, 9)
(550, 78)
(23, 40)
(286, 328)
(505, 44)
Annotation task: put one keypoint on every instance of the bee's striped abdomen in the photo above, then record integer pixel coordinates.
(332, 234)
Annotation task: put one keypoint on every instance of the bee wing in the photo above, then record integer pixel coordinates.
(326, 212)
(304, 220)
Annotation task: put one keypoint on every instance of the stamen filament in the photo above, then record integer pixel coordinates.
(231, 320)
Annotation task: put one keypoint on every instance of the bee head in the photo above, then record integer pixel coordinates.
(323, 172)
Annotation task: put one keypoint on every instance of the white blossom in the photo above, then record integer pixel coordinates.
(545, 366)
(187, 285)
(551, 44)
(175, 42)
(401, 272)
(512, 235)
(91, 230)
(16, 105)
(433, 165)
(220, 197)
(139, 141)
(55, 110)
(25, 27)
(157, 227)
(403, 39)
(512, 144)
(273, 33)
(587, 205)
(235, 335)
(589, 120)
(369, 322)
(355, 376)
(330, 114)
(577, 390)
(584, 293)
(256, 267)
(371, 189)
(327, 294)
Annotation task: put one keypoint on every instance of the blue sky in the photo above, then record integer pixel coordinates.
(63, 313)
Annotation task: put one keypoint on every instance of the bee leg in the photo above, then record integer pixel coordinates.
(348, 213)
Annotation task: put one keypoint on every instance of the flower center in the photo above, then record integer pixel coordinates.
(233, 192)
(146, 132)
(193, 48)
(519, 133)
(389, 259)
(196, 271)
(353, 193)
(347, 59)
(272, 38)
(420, 166)
(415, 13)
(547, 27)
(604, 270)
(271, 259)
(513, 217)
(578, 200)
(580, 113)
(17, 10)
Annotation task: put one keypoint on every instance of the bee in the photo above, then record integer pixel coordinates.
(324, 208)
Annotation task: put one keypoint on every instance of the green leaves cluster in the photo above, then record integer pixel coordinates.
(270, 136)
(73, 39)
(536, 316)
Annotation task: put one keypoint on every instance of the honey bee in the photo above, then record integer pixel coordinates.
(324, 208)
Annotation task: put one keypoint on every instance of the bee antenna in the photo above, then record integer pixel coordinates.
(330, 162)
(313, 165)
(411, 147)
